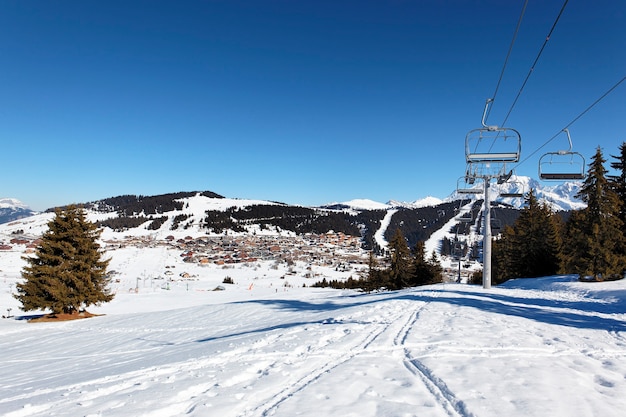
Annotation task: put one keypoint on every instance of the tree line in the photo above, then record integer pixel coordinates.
(589, 243)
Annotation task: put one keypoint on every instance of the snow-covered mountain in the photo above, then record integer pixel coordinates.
(560, 197)
(12, 209)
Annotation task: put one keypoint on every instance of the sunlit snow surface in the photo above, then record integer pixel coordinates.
(540, 347)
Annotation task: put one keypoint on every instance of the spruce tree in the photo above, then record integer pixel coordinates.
(532, 247)
(618, 182)
(503, 255)
(536, 242)
(67, 272)
(595, 240)
(400, 262)
(425, 271)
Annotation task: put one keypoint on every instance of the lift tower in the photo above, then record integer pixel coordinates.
(487, 151)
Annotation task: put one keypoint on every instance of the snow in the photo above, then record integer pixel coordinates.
(559, 197)
(551, 346)
(6, 202)
(379, 236)
(423, 202)
(365, 204)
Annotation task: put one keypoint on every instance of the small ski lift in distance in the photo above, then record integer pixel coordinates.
(467, 217)
(492, 143)
(562, 165)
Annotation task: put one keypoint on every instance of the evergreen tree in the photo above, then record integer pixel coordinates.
(536, 243)
(595, 240)
(532, 247)
(502, 255)
(425, 271)
(374, 278)
(436, 271)
(400, 272)
(66, 273)
(618, 182)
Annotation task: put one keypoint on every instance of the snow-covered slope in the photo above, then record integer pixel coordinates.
(549, 346)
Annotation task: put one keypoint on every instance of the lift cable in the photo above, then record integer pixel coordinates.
(532, 68)
(506, 60)
(574, 120)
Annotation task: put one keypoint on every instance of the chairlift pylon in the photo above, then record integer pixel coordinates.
(562, 165)
(492, 143)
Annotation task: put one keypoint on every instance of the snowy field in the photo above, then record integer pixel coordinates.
(266, 346)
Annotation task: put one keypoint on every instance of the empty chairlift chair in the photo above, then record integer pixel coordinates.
(515, 189)
(466, 185)
(492, 144)
(562, 165)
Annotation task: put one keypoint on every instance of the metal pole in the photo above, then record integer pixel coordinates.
(487, 237)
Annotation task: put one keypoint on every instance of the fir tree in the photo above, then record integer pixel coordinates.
(532, 247)
(400, 262)
(595, 240)
(425, 271)
(66, 273)
(374, 278)
(536, 243)
(502, 255)
(618, 182)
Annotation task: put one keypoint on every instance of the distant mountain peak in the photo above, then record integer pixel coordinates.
(8, 202)
(13, 209)
(560, 196)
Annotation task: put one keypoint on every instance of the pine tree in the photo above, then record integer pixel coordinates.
(400, 262)
(424, 271)
(618, 182)
(595, 240)
(532, 247)
(66, 273)
(536, 242)
(373, 280)
(503, 255)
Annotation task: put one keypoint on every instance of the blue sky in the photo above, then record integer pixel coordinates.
(305, 102)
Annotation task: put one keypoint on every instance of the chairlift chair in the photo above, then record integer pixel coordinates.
(492, 144)
(562, 165)
(466, 218)
(516, 189)
(465, 185)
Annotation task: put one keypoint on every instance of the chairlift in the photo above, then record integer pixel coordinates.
(496, 224)
(562, 165)
(516, 188)
(492, 144)
(466, 218)
(465, 185)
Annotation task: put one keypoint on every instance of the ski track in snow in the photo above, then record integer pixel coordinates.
(399, 325)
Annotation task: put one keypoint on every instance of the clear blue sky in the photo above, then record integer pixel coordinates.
(305, 102)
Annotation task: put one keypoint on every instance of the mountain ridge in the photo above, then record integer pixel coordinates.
(210, 213)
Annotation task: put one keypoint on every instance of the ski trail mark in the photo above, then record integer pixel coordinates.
(270, 406)
(437, 387)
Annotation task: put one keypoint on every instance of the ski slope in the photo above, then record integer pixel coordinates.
(550, 347)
